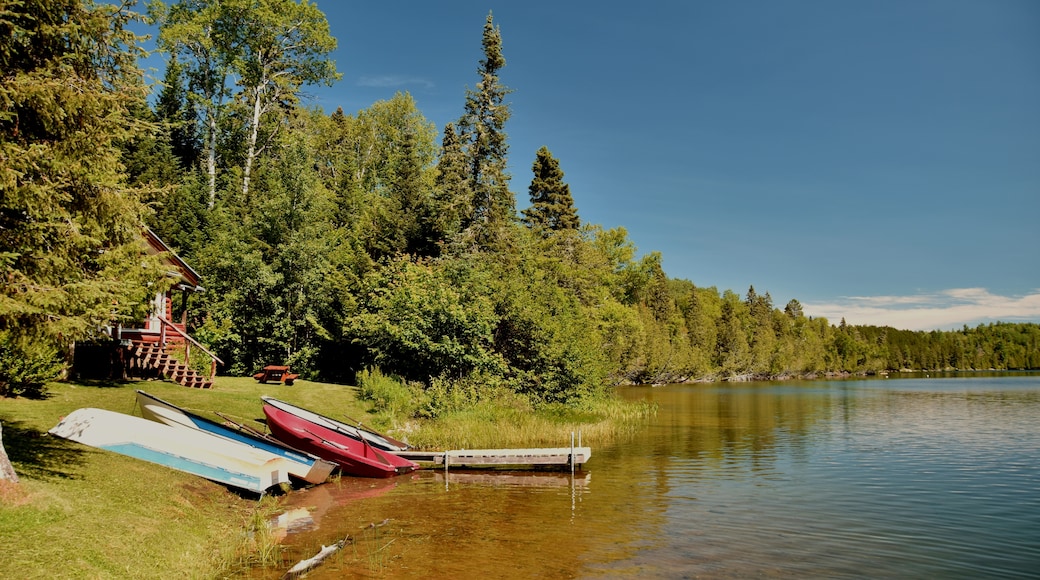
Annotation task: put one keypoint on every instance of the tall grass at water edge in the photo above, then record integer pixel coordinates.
(464, 416)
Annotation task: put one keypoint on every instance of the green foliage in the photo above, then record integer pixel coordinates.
(386, 393)
(178, 115)
(268, 48)
(279, 274)
(70, 254)
(337, 243)
(483, 138)
(543, 326)
(424, 319)
(552, 207)
(26, 365)
(452, 199)
(478, 394)
(379, 163)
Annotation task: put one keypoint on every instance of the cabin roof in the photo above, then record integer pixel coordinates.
(189, 278)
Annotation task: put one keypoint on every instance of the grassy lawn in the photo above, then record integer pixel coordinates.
(85, 513)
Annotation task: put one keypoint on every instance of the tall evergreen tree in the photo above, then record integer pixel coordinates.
(178, 116)
(410, 190)
(70, 254)
(452, 197)
(793, 308)
(482, 129)
(552, 207)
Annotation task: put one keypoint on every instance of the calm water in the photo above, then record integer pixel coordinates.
(881, 478)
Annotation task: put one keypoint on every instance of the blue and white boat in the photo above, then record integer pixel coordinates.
(302, 465)
(190, 451)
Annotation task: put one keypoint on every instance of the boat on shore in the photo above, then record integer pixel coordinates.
(300, 464)
(191, 451)
(347, 446)
(374, 438)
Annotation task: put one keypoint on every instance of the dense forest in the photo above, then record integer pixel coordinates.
(349, 241)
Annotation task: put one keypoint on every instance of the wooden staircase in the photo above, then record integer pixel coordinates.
(150, 356)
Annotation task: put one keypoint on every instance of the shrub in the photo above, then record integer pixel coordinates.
(388, 394)
(26, 366)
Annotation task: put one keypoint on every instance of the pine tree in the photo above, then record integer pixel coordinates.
(452, 196)
(178, 115)
(793, 309)
(409, 187)
(482, 129)
(552, 207)
(70, 254)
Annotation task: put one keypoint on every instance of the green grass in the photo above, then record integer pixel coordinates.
(79, 512)
(85, 513)
(488, 425)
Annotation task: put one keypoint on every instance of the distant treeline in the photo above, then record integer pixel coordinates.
(747, 337)
(341, 242)
(996, 346)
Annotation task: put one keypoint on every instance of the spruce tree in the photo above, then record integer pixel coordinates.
(178, 115)
(552, 207)
(483, 135)
(70, 253)
(410, 189)
(452, 198)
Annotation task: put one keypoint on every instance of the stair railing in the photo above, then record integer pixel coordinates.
(187, 348)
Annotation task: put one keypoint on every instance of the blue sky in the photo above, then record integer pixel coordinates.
(877, 161)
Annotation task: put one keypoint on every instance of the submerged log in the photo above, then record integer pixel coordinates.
(304, 566)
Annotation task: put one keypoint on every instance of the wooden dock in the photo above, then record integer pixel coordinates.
(549, 456)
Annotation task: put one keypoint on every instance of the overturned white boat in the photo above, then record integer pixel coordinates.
(190, 451)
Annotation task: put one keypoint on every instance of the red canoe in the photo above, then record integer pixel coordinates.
(308, 432)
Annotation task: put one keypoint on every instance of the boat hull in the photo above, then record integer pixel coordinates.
(377, 440)
(299, 464)
(355, 456)
(193, 452)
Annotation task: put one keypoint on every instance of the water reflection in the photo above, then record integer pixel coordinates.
(579, 480)
(305, 510)
(887, 478)
(459, 523)
(859, 478)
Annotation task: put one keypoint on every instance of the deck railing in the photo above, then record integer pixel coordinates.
(188, 342)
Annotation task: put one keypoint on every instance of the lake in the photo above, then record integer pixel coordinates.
(881, 478)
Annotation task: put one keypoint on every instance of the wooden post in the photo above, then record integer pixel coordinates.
(579, 438)
(572, 453)
(184, 309)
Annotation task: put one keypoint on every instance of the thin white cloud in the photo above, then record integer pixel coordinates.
(947, 309)
(394, 81)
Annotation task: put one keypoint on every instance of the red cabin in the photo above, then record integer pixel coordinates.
(158, 345)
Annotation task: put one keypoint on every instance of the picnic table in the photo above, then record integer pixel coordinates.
(276, 374)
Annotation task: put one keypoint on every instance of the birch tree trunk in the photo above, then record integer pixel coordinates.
(253, 136)
(211, 160)
(6, 469)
